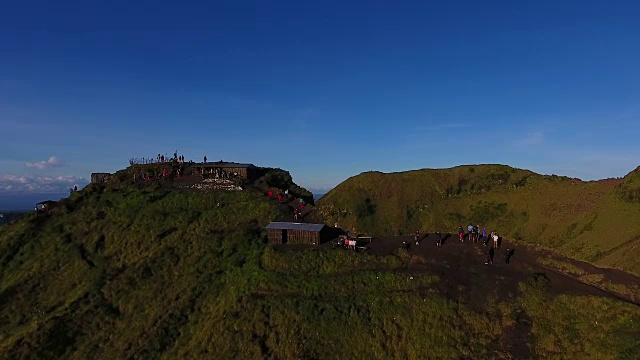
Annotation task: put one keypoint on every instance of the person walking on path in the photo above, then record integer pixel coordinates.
(461, 233)
(507, 256)
(417, 236)
(487, 259)
(439, 239)
(495, 240)
(470, 231)
(484, 236)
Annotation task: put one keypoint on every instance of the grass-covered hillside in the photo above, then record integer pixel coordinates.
(153, 272)
(594, 221)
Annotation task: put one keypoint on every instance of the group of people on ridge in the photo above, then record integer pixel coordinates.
(474, 234)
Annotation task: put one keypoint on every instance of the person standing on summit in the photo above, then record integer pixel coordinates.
(205, 158)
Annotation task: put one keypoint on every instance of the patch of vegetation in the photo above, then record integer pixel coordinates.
(281, 179)
(487, 212)
(629, 188)
(565, 330)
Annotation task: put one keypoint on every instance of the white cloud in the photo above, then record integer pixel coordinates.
(52, 162)
(39, 184)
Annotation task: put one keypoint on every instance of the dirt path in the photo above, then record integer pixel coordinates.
(466, 277)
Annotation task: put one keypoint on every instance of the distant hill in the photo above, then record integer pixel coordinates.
(597, 221)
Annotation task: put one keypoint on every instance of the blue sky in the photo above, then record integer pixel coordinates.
(325, 90)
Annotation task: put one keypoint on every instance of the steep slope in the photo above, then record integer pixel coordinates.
(629, 187)
(592, 221)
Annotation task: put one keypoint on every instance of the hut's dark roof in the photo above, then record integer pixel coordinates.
(295, 226)
(224, 164)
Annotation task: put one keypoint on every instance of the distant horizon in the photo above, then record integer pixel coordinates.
(18, 202)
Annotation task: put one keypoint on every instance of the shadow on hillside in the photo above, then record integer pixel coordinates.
(330, 234)
(446, 237)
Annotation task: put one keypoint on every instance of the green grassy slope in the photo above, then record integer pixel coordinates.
(125, 273)
(592, 221)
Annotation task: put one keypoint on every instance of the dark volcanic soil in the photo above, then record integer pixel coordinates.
(465, 276)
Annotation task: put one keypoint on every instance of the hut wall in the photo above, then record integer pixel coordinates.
(275, 236)
(242, 172)
(303, 237)
(99, 178)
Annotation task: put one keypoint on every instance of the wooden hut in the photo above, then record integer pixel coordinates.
(297, 233)
(45, 207)
(244, 171)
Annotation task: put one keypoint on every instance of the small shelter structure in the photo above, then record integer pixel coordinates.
(99, 178)
(245, 171)
(298, 233)
(45, 207)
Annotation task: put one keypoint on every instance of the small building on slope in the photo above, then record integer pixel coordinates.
(245, 171)
(99, 178)
(298, 233)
